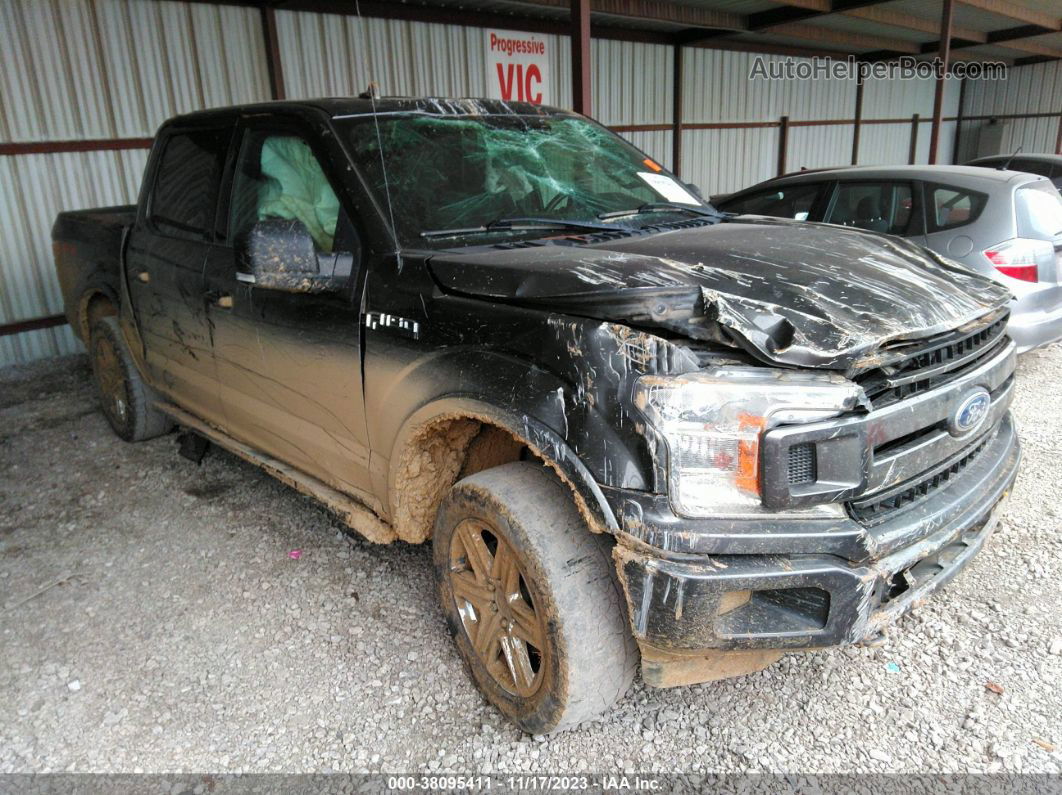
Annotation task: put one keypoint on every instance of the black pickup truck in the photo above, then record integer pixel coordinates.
(631, 426)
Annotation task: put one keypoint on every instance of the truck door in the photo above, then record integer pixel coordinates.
(164, 262)
(289, 364)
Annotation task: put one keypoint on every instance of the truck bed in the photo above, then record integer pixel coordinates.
(87, 246)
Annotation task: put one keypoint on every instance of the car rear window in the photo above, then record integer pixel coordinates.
(950, 207)
(1031, 167)
(1038, 207)
(186, 184)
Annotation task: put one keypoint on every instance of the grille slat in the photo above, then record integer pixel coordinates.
(877, 509)
(933, 365)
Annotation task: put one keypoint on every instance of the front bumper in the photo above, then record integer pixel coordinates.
(684, 603)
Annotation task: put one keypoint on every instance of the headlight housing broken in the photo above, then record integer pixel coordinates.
(713, 422)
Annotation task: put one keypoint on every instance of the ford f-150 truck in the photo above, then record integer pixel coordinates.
(632, 427)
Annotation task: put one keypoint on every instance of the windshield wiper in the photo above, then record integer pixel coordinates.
(519, 224)
(661, 207)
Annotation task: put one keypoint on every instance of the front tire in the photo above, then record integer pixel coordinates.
(126, 401)
(531, 598)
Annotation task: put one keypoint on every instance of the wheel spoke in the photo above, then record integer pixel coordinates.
(467, 587)
(488, 634)
(518, 662)
(526, 626)
(505, 572)
(499, 669)
(476, 553)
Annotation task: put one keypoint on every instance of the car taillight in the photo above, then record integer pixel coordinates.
(1019, 258)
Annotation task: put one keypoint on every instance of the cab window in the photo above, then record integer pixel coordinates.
(186, 183)
(278, 176)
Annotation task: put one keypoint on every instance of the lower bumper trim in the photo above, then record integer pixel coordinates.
(678, 605)
(666, 669)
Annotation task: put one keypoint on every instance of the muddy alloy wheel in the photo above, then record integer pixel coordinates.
(531, 599)
(114, 397)
(127, 401)
(494, 599)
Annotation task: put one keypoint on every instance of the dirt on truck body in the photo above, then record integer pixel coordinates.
(630, 426)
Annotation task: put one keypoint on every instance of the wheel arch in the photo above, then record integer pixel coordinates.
(438, 444)
(95, 302)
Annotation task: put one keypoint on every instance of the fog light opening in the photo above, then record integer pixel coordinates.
(731, 601)
(773, 612)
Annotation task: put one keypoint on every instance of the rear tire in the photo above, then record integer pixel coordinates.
(531, 598)
(126, 401)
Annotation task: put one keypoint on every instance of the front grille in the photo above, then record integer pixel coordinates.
(878, 508)
(802, 465)
(934, 363)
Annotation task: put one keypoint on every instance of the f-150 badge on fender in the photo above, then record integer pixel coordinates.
(375, 320)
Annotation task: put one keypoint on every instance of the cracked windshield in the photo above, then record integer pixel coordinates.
(472, 176)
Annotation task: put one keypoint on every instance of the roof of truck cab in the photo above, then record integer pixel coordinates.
(340, 107)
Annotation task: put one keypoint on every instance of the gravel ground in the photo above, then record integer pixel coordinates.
(156, 619)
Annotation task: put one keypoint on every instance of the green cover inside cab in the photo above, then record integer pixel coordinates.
(297, 189)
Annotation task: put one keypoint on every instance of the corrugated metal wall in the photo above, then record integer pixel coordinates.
(717, 90)
(633, 84)
(1030, 89)
(117, 68)
(112, 69)
(881, 144)
(332, 55)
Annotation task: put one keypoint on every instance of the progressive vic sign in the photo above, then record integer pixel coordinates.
(517, 66)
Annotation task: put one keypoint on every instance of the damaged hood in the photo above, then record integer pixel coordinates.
(790, 292)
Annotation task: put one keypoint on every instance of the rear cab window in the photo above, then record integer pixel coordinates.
(184, 195)
(950, 207)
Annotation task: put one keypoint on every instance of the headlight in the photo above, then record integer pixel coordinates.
(712, 422)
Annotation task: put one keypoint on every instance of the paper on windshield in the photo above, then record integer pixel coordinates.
(671, 190)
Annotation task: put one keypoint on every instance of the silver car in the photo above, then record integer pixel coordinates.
(1004, 224)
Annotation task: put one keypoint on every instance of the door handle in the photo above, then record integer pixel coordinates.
(143, 276)
(219, 299)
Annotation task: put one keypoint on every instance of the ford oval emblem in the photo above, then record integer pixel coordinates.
(971, 413)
